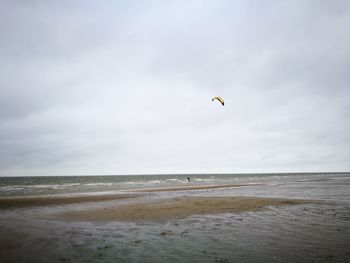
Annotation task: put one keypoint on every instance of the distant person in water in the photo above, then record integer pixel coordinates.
(188, 178)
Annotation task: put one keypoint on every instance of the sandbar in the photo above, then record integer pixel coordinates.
(29, 201)
(175, 208)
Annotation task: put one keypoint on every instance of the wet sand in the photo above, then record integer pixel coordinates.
(171, 209)
(30, 201)
(48, 200)
(248, 224)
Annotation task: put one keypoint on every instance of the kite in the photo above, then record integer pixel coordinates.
(219, 99)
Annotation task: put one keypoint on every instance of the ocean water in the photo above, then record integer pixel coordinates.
(316, 232)
(52, 185)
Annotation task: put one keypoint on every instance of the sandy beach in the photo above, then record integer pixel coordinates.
(176, 208)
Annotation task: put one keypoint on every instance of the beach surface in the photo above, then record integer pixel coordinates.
(172, 209)
(164, 218)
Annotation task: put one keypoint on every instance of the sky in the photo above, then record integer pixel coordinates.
(125, 87)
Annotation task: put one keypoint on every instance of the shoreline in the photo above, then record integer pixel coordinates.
(62, 199)
(188, 188)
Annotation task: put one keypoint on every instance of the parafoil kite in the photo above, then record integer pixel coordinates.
(219, 99)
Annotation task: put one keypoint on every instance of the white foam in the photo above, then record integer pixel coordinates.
(98, 184)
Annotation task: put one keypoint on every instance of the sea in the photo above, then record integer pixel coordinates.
(314, 232)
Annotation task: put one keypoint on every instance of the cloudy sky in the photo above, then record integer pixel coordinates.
(125, 87)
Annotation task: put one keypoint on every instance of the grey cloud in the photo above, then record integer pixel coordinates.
(116, 87)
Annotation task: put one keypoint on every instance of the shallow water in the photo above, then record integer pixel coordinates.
(301, 233)
(19, 186)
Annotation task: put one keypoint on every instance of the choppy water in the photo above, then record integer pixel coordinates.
(302, 233)
(19, 186)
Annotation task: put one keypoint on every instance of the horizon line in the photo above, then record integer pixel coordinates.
(160, 174)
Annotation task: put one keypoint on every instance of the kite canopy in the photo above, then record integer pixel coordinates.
(219, 99)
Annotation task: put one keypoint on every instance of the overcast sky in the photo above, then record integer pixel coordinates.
(125, 87)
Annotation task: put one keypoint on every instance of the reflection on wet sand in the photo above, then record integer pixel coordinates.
(163, 210)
